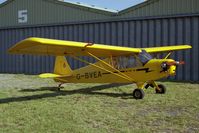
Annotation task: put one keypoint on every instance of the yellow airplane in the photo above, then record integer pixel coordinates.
(114, 64)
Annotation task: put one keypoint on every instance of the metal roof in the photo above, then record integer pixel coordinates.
(161, 8)
(140, 5)
(90, 6)
(73, 4)
(59, 12)
(39, 12)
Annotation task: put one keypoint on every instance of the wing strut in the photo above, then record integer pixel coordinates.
(130, 79)
(168, 55)
(121, 76)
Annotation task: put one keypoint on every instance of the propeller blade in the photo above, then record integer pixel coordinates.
(180, 62)
(171, 63)
(175, 63)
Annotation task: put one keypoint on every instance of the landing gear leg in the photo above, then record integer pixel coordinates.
(148, 85)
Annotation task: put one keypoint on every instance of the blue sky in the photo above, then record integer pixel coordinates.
(110, 4)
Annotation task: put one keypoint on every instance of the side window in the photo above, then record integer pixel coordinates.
(133, 62)
(122, 62)
(144, 57)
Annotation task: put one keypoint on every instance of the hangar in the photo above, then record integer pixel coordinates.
(148, 24)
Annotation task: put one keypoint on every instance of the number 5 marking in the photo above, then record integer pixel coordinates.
(22, 16)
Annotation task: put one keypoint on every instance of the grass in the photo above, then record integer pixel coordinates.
(29, 104)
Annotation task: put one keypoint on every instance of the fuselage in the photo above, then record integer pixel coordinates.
(152, 70)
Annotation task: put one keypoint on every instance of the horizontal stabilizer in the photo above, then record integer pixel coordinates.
(52, 75)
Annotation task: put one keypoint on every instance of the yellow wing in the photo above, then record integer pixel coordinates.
(166, 48)
(43, 46)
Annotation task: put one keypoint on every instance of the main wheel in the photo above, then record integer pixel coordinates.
(162, 89)
(138, 94)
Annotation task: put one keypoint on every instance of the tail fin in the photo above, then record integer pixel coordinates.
(61, 69)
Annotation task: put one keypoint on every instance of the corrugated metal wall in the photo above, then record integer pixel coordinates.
(131, 33)
(54, 11)
(47, 12)
(160, 8)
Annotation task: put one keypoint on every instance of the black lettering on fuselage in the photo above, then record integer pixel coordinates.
(99, 74)
(89, 75)
(86, 76)
(78, 76)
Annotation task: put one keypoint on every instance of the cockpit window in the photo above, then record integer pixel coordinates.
(144, 57)
(123, 62)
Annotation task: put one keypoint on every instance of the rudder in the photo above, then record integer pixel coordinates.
(62, 67)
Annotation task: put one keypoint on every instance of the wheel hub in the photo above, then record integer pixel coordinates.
(137, 94)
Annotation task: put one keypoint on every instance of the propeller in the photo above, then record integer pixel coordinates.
(175, 63)
(166, 65)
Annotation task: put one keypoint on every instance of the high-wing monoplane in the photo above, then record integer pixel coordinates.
(113, 64)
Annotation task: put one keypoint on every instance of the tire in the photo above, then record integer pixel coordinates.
(162, 89)
(138, 94)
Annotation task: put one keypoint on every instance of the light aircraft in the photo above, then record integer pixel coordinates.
(114, 64)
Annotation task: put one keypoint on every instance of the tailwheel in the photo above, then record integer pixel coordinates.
(138, 94)
(60, 86)
(161, 90)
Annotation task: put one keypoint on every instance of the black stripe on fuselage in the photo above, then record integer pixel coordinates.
(144, 69)
(117, 72)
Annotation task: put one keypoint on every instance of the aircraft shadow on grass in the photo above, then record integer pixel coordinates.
(85, 91)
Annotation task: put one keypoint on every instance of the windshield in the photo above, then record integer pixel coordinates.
(144, 57)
